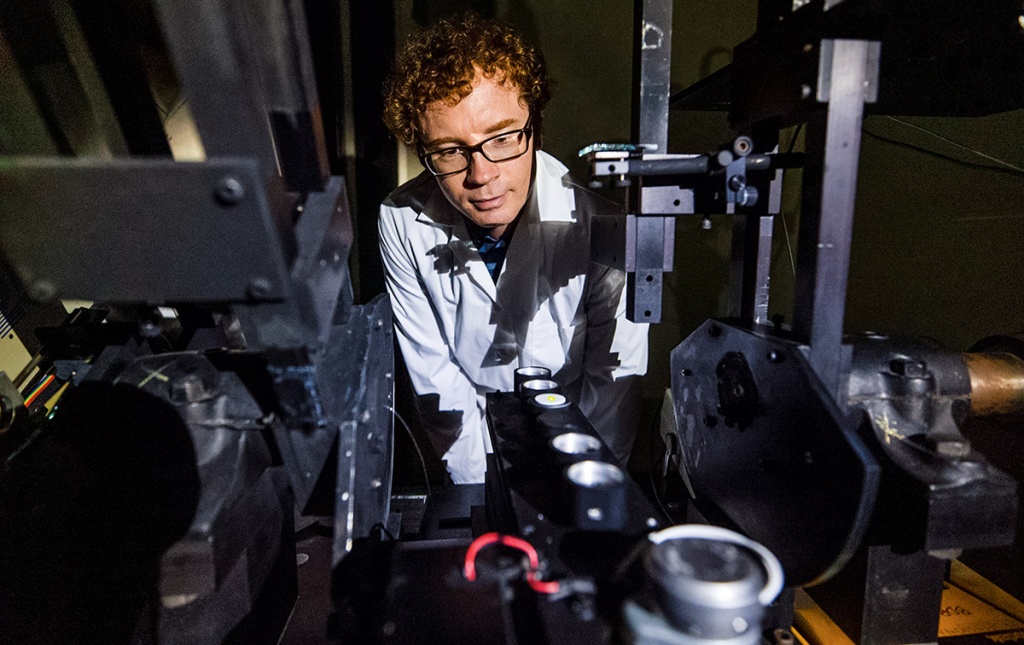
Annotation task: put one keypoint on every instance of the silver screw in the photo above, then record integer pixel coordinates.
(229, 191)
(259, 288)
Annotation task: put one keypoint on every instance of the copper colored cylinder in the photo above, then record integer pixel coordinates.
(997, 383)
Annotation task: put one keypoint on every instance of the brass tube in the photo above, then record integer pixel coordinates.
(997, 383)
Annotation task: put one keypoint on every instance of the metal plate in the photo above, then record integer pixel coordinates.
(768, 451)
(360, 370)
(150, 231)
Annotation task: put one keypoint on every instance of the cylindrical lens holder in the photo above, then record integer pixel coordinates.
(530, 373)
(597, 494)
(533, 387)
(712, 584)
(576, 444)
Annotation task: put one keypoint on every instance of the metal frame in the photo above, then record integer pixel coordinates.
(652, 250)
(847, 79)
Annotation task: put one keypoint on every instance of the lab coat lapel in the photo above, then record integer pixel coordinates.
(517, 282)
(478, 272)
(469, 266)
(536, 236)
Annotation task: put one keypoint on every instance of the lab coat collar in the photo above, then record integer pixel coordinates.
(547, 200)
(551, 200)
(553, 197)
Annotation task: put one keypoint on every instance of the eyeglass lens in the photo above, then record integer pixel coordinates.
(500, 148)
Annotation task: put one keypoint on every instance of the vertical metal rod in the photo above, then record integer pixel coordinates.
(219, 78)
(215, 60)
(902, 597)
(828, 206)
(750, 267)
(652, 58)
(762, 273)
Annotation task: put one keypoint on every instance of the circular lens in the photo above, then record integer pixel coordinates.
(537, 386)
(708, 587)
(533, 372)
(575, 443)
(550, 400)
(595, 474)
(523, 374)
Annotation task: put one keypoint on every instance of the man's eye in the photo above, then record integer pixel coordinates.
(448, 153)
(504, 140)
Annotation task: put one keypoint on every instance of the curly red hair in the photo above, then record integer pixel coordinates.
(439, 64)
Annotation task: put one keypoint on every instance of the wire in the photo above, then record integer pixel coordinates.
(785, 226)
(958, 145)
(653, 463)
(657, 497)
(469, 566)
(167, 114)
(423, 462)
(39, 390)
(1010, 170)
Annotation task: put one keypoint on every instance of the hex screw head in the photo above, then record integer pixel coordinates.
(259, 288)
(229, 191)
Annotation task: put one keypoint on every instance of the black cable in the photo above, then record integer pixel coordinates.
(939, 155)
(796, 134)
(657, 498)
(653, 463)
(785, 226)
(423, 462)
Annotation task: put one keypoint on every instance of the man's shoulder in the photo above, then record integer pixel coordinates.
(584, 202)
(413, 194)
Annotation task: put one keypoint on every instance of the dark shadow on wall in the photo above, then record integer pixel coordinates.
(426, 12)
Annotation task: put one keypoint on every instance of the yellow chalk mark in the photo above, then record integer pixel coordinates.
(154, 375)
(889, 429)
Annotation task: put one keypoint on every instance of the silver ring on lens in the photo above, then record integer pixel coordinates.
(530, 373)
(575, 443)
(533, 387)
(595, 474)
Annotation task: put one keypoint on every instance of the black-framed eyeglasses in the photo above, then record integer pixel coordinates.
(501, 147)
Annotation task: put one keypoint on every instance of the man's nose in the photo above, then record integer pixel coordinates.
(481, 169)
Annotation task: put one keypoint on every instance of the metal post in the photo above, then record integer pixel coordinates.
(652, 58)
(219, 79)
(750, 267)
(280, 43)
(847, 78)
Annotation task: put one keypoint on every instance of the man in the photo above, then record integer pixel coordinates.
(487, 252)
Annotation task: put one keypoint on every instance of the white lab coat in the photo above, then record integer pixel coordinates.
(462, 336)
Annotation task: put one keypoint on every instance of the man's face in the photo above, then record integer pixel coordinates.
(491, 194)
